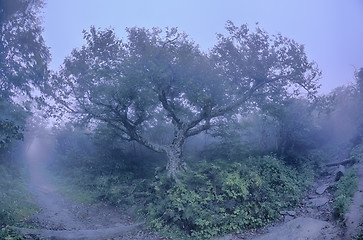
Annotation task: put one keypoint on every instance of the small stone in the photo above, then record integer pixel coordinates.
(283, 212)
(318, 202)
(320, 190)
(291, 213)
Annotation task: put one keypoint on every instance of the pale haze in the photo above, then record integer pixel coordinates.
(330, 30)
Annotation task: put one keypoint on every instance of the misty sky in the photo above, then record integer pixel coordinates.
(331, 30)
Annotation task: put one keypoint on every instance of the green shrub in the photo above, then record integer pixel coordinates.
(10, 234)
(216, 200)
(344, 189)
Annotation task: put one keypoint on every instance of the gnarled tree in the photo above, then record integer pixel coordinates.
(158, 76)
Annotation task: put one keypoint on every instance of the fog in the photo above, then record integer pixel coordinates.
(204, 120)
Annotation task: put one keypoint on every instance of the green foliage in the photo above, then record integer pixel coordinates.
(23, 63)
(357, 153)
(102, 167)
(14, 198)
(216, 200)
(157, 77)
(23, 53)
(12, 123)
(7, 233)
(344, 189)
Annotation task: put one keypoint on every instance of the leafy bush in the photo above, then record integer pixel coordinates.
(216, 200)
(344, 189)
(10, 234)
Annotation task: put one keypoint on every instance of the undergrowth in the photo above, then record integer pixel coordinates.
(73, 186)
(211, 198)
(15, 199)
(7, 233)
(216, 199)
(344, 189)
(15, 207)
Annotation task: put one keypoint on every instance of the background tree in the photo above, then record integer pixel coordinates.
(23, 62)
(164, 77)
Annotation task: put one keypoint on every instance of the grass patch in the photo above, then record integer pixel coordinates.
(344, 189)
(70, 187)
(9, 234)
(16, 202)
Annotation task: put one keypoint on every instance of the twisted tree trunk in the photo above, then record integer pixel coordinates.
(174, 153)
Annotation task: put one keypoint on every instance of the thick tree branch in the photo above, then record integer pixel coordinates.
(168, 108)
(201, 128)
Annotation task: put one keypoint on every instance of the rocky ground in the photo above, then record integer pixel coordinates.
(314, 219)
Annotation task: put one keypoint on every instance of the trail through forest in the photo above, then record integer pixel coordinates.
(62, 218)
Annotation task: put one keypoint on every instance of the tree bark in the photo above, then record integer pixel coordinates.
(174, 153)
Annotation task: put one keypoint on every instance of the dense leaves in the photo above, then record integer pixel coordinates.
(23, 63)
(216, 200)
(162, 77)
(23, 54)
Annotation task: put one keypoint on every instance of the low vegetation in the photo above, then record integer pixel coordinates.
(212, 198)
(217, 198)
(15, 199)
(344, 189)
(16, 206)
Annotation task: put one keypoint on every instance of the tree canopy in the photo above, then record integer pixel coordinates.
(162, 76)
(23, 62)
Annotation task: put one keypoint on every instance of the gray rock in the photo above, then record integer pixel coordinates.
(320, 190)
(283, 212)
(340, 172)
(318, 202)
(312, 196)
(291, 213)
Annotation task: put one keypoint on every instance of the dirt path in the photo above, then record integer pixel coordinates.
(62, 218)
